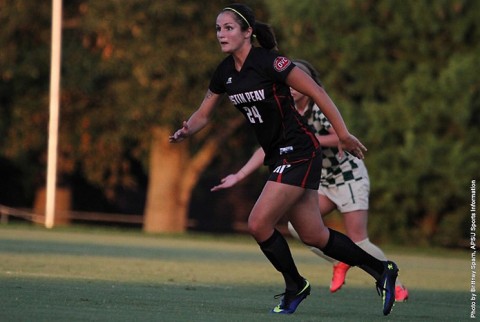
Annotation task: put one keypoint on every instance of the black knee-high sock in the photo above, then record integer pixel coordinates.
(345, 250)
(278, 253)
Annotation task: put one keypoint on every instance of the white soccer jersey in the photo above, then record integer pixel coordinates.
(335, 171)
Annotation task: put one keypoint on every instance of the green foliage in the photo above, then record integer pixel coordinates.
(126, 66)
(404, 74)
(149, 72)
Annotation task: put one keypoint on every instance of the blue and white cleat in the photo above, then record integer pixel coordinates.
(291, 300)
(386, 286)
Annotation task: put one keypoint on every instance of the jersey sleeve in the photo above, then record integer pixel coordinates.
(217, 84)
(279, 66)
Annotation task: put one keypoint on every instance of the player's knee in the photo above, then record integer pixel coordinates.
(255, 229)
(317, 240)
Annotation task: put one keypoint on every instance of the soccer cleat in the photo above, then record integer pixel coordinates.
(386, 286)
(338, 279)
(401, 293)
(291, 300)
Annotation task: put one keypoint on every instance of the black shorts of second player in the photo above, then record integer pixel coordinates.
(304, 173)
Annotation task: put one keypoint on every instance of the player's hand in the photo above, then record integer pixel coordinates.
(352, 145)
(180, 134)
(227, 182)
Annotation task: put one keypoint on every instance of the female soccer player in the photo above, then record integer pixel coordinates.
(257, 81)
(344, 185)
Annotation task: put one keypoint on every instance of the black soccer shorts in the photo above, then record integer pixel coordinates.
(304, 173)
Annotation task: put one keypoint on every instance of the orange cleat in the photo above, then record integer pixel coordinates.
(401, 293)
(338, 279)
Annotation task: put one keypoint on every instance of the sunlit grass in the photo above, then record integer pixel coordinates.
(112, 275)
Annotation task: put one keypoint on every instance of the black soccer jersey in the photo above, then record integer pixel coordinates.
(259, 91)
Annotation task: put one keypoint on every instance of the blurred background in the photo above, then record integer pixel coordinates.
(405, 75)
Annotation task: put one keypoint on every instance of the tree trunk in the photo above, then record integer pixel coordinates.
(163, 210)
(429, 224)
(173, 174)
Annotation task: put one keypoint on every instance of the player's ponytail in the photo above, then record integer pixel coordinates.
(265, 35)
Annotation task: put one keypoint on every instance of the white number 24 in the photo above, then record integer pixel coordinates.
(253, 114)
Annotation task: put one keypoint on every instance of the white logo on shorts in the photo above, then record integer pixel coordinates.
(286, 150)
(281, 168)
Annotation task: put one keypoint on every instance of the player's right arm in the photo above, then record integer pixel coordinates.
(199, 119)
(255, 161)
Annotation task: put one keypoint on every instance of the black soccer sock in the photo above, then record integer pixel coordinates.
(345, 250)
(278, 253)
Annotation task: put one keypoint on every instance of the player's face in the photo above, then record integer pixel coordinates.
(229, 33)
(297, 96)
(301, 101)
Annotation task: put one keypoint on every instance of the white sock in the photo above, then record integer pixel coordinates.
(372, 249)
(322, 255)
(317, 251)
(375, 251)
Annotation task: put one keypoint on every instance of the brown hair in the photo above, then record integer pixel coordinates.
(261, 31)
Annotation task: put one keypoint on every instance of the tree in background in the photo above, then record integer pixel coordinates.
(24, 72)
(161, 54)
(404, 74)
(131, 72)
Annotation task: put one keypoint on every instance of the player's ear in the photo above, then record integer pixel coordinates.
(249, 32)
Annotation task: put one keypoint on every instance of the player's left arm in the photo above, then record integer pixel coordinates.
(255, 161)
(304, 84)
(328, 140)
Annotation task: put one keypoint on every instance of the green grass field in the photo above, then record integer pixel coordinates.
(85, 274)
